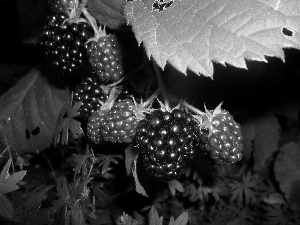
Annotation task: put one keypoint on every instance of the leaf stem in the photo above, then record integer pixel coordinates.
(91, 20)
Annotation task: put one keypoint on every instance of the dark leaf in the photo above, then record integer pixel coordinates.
(181, 220)
(32, 103)
(105, 160)
(6, 209)
(138, 187)
(30, 213)
(108, 12)
(67, 122)
(154, 219)
(127, 220)
(175, 185)
(287, 171)
(130, 155)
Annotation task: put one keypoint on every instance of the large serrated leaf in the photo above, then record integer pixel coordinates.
(108, 12)
(191, 34)
(29, 111)
(287, 171)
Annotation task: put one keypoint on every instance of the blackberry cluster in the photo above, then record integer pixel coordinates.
(166, 140)
(120, 123)
(89, 92)
(106, 58)
(225, 140)
(64, 42)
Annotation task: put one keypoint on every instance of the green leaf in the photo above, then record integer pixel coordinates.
(31, 110)
(108, 12)
(287, 171)
(8, 183)
(6, 209)
(30, 213)
(138, 187)
(276, 215)
(244, 192)
(154, 219)
(5, 171)
(67, 122)
(175, 185)
(181, 220)
(127, 220)
(81, 162)
(130, 154)
(191, 34)
(105, 160)
(73, 200)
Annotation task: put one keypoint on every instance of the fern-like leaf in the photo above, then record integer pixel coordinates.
(244, 192)
(67, 122)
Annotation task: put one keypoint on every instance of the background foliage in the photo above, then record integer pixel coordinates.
(190, 37)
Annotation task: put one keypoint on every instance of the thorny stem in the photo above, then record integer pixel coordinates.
(93, 160)
(151, 98)
(51, 167)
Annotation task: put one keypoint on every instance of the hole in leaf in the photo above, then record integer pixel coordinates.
(161, 5)
(287, 32)
(27, 134)
(35, 131)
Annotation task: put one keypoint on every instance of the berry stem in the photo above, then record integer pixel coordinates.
(151, 98)
(91, 20)
(193, 109)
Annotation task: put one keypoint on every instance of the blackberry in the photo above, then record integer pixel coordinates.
(94, 126)
(90, 93)
(64, 42)
(119, 124)
(224, 140)
(106, 58)
(166, 140)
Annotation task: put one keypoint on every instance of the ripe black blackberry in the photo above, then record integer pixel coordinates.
(90, 93)
(64, 42)
(166, 140)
